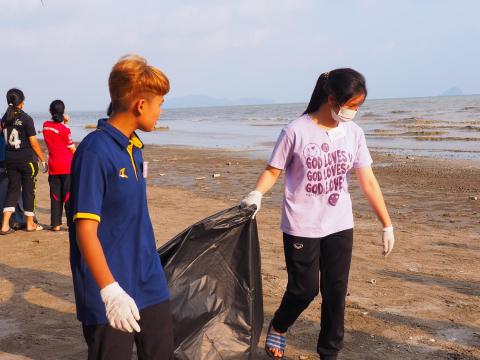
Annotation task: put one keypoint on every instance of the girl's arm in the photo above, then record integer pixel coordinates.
(36, 148)
(264, 183)
(371, 189)
(267, 179)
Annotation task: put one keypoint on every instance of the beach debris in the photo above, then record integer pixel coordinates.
(409, 157)
(228, 163)
(372, 281)
(215, 175)
(161, 174)
(200, 178)
(473, 197)
(161, 128)
(36, 241)
(365, 313)
(90, 126)
(302, 357)
(412, 269)
(432, 340)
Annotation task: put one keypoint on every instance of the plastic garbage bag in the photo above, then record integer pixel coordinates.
(213, 272)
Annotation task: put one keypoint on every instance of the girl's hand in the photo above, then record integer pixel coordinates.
(44, 167)
(253, 198)
(388, 240)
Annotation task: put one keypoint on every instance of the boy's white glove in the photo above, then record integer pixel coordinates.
(254, 197)
(388, 240)
(122, 312)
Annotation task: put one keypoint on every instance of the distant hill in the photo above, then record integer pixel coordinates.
(205, 100)
(453, 91)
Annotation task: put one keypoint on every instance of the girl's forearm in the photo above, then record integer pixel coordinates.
(377, 202)
(267, 179)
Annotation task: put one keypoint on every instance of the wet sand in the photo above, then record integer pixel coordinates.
(424, 303)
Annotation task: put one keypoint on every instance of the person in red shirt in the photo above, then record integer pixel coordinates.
(58, 139)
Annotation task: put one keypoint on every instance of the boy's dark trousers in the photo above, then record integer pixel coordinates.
(59, 197)
(154, 341)
(306, 259)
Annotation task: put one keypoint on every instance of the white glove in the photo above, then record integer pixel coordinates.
(254, 197)
(388, 240)
(44, 167)
(122, 312)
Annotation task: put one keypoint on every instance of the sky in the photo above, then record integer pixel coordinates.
(273, 49)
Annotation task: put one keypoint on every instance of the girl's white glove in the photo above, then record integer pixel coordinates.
(388, 240)
(254, 197)
(122, 312)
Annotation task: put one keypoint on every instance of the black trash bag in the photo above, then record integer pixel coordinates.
(213, 272)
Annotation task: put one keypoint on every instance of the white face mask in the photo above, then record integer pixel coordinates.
(344, 114)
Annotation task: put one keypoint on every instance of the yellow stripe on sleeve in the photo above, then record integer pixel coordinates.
(90, 216)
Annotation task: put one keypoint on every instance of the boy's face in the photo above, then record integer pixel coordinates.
(149, 110)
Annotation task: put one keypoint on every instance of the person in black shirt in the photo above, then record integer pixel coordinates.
(22, 150)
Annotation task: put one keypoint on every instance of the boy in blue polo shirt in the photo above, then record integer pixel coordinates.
(121, 292)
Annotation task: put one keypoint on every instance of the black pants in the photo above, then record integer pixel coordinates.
(306, 258)
(59, 197)
(22, 176)
(154, 341)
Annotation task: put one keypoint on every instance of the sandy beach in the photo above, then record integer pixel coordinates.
(422, 302)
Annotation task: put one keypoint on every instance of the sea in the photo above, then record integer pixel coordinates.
(440, 127)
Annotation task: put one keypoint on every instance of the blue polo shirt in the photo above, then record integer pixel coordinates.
(108, 186)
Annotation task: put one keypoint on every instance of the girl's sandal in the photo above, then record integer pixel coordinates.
(9, 231)
(36, 228)
(274, 341)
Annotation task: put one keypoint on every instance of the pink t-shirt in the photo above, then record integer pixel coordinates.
(317, 162)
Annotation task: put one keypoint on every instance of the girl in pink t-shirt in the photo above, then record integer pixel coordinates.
(317, 151)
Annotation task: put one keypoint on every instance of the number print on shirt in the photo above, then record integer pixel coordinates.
(13, 139)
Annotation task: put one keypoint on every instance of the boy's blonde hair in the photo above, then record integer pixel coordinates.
(130, 78)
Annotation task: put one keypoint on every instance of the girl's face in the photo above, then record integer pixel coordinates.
(352, 104)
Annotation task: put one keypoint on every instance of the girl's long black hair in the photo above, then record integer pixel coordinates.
(14, 98)
(57, 110)
(342, 84)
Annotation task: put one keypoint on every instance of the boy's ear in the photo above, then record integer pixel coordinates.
(139, 106)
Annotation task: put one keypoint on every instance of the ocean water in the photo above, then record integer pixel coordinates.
(444, 127)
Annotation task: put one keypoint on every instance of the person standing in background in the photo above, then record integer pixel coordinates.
(61, 147)
(21, 161)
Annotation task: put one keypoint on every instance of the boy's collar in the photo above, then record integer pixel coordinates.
(117, 135)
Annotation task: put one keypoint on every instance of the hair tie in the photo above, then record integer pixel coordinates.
(326, 74)
(10, 104)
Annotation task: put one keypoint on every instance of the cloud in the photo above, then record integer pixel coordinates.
(260, 48)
